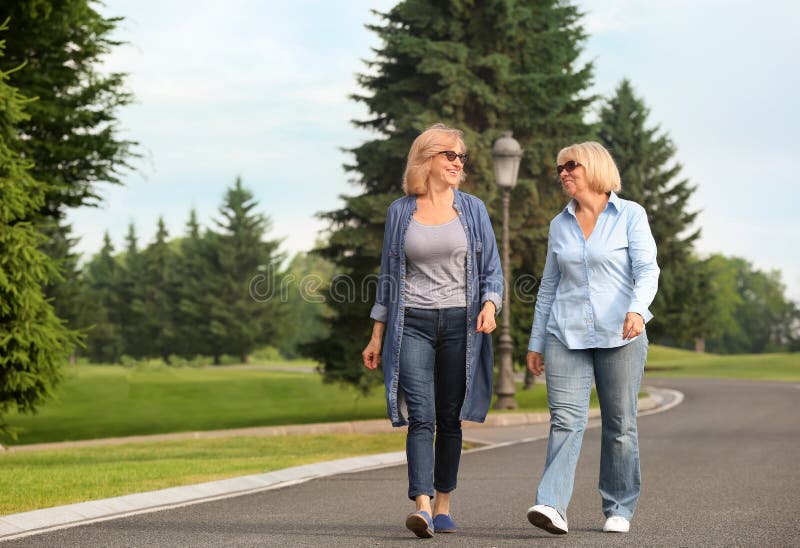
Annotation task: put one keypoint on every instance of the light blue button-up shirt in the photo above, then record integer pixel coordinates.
(589, 285)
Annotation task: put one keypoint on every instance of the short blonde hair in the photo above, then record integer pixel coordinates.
(428, 144)
(601, 170)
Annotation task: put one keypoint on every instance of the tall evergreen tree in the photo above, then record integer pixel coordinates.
(34, 344)
(132, 310)
(104, 309)
(67, 292)
(71, 134)
(650, 176)
(482, 67)
(159, 263)
(240, 318)
(195, 277)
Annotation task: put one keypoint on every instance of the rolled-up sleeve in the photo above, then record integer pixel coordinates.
(380, 310)
(491, 273)
(642, 251)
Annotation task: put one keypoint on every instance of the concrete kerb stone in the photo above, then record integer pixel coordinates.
(50, 519)
(71, 515)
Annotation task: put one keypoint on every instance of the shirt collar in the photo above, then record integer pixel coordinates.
(456, 200)
(613, 199)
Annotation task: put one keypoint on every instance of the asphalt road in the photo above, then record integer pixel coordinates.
(721, 469)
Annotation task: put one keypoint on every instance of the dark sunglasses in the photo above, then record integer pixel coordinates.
(451, 156)
(569, 166)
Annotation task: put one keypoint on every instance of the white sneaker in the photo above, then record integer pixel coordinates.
(616, 524)
(547, 518)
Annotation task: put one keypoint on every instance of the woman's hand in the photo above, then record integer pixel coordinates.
(535, 362)
(486, 322)
(372, 354)
(633, 325)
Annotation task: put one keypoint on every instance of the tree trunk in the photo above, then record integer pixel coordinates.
(700, 345)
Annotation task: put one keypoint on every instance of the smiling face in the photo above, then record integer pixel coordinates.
(574, 181)
(444, 171)
(426, 166)
(596, 173)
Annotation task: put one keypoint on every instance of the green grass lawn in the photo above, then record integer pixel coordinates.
(110, 401)
(29, 481)
(671, 362)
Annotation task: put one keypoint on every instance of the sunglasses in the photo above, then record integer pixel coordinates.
(569, 166)
(451, 156)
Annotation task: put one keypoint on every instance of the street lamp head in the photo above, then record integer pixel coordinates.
(506, 154)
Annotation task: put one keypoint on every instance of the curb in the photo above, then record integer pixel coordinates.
(35, 522)
(24, 524)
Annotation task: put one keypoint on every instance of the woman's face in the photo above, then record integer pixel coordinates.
(573, 181)
(444, 170)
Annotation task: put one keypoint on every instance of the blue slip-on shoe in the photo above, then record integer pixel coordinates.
(420, 524)
(443, 523)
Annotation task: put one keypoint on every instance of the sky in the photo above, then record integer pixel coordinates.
(259, 90)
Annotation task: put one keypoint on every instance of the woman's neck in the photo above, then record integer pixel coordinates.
(439, 196)
(592, 202)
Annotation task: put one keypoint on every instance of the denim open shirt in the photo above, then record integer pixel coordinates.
(484, 277)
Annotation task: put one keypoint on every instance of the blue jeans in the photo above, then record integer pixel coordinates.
(617, 374)
(433, 379)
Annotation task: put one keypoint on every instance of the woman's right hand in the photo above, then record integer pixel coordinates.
(535, 362)
(372, 354)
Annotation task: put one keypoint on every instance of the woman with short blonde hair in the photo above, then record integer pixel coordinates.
(599, 279)
(601, 170)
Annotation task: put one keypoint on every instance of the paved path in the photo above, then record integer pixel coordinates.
(720, 469)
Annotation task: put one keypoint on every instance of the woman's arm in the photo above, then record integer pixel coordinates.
(380, 310)
(372, 353)
(642, 252)
(544, 299)
(490, 271)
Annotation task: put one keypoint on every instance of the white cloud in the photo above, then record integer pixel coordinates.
(606, 16)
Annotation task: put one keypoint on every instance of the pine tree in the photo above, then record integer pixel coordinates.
(71, 134)
(650, 177)
(67, 292)
(246, 266)
(195, 274)
(482, 67)
(34, 344)
(132, 297)
(159, 263)
(104, 309)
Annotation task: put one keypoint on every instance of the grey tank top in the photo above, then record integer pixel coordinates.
(436, 265)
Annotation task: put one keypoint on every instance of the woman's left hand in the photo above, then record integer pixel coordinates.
(633, 326)
(486, 322)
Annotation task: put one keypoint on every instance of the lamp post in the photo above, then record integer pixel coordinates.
(506, 154)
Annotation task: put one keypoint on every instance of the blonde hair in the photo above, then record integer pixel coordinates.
(428, 144)
(601, 170)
